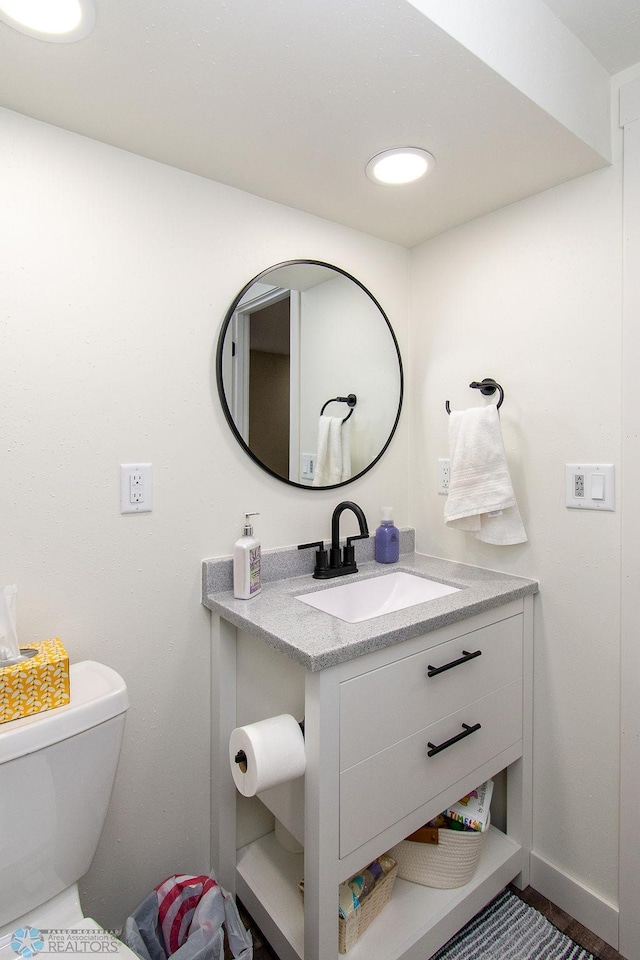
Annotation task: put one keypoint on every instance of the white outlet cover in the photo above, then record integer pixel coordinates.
(444, 475)
(139, 504)
(599, 486)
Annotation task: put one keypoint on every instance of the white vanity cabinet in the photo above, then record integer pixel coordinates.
(391, 737)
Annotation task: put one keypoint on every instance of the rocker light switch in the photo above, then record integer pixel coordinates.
(597, 486)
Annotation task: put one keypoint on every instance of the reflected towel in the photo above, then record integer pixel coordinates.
(333, 457)
(481, 498)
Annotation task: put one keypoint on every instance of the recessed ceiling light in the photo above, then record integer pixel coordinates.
(59, 21)
(399, 165)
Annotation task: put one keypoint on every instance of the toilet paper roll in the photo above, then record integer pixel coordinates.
(266, 753)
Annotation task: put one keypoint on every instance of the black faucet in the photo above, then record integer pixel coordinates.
(338, 562)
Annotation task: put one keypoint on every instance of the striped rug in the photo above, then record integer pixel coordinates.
(509, 929)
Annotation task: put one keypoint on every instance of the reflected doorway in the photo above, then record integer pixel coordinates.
(262, 364)
(270, 384)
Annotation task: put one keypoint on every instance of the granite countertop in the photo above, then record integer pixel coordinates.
(318, 640)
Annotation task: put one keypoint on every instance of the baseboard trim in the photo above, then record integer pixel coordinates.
(585, 906)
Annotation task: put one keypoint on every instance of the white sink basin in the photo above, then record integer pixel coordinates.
(367, 599)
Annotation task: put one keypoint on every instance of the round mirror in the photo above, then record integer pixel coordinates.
(309, 374)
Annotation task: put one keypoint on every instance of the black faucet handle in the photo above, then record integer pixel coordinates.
(322, 557)
(349, 552)
(359, 536)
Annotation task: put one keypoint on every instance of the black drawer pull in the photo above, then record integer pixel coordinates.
(434, 671)
(436, 748)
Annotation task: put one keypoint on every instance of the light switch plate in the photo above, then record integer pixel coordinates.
(590, 486)
(307, 466)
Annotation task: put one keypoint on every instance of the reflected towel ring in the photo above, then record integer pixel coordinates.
(487, 388)
(350, 400)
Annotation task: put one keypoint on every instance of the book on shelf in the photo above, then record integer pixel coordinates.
(472, 811)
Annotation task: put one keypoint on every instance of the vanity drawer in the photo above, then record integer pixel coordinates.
(381, 790)
(386, 705)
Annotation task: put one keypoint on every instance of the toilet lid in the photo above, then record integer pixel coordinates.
(76, 933)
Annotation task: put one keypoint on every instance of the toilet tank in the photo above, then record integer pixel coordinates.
(57, 770)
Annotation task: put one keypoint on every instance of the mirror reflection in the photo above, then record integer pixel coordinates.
(309, 374)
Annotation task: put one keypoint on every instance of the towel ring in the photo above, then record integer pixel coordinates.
(487, 388)
(350, 400)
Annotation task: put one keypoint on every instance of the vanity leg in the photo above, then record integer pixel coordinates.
(223, 721)
(322, 816)
(520, 774)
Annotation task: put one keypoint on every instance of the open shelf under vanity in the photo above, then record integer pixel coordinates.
(416, 916)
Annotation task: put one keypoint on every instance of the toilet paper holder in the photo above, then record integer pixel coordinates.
(241, 757)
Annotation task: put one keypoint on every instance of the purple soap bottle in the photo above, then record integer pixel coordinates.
(387, 538)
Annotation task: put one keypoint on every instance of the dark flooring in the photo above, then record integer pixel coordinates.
(560, 919)
(567, 924)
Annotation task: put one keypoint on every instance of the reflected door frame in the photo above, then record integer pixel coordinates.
(240, 368)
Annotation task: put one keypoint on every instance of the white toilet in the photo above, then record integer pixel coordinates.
(57, 770)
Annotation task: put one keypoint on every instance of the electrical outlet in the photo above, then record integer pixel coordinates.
(136, 493)
(444, 476)
(136, 488)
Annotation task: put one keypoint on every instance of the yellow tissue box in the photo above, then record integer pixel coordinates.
(37, 684)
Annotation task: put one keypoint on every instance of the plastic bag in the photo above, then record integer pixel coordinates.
(185, 918)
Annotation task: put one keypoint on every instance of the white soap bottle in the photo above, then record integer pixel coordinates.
(246, 563)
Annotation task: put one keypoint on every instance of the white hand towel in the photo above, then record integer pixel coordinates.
(481, 498)
(346, 450)
(333, 457)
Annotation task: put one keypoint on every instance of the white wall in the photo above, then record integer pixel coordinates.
(629, 942)
(531, 295)
(116, 273)
(346, 347)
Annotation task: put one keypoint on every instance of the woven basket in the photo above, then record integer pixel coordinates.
(449, 863)
(351, 928)
(356, 923)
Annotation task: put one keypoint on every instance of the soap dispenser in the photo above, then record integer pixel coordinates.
(387, 543)
(246, 563)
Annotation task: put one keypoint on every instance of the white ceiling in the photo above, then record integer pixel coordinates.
(288, 99)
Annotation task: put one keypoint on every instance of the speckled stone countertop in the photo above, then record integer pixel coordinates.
(318, 640)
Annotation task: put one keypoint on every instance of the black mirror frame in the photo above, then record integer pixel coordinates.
(220, 385)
